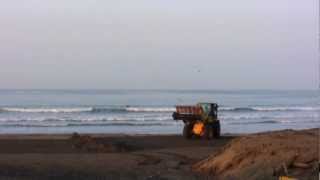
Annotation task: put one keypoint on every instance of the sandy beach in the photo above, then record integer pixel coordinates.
(107, 156)
(128, 157)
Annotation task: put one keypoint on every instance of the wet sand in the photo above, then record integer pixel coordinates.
(166, 157)
(103, 156)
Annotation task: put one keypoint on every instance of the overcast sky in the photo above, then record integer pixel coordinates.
(152, 44)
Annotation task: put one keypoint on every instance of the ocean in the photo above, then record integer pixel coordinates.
(150, 111)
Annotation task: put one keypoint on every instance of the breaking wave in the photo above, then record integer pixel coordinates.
(45, 110)
(293, 108)
(261, 122)
(94, 119)
(279, 121)
(146, 109)
(88, 109)
(84, 124)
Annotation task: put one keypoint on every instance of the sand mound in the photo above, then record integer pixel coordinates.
(89, 144)
(266, 156)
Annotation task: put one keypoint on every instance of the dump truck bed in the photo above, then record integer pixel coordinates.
(187, 113)
(194, 110)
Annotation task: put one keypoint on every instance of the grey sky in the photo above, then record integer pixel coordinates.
(247, 44)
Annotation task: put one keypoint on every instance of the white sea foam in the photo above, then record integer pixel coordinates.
(150, 109)
(147, 109)
(245, 116)
(47, 110)
(284, 108)
(88, 109)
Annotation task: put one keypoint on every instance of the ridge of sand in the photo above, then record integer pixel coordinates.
(266, 156)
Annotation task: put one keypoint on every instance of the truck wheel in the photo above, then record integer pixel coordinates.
(187, 131)
(216, 129)
(208, 132)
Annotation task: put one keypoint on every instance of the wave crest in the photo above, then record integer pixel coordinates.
(146, 109)
(88, 109)
(294, 108)
(46, 110)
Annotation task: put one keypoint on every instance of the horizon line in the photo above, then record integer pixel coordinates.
(153, 89)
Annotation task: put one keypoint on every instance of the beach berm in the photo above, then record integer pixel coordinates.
(266, 155)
